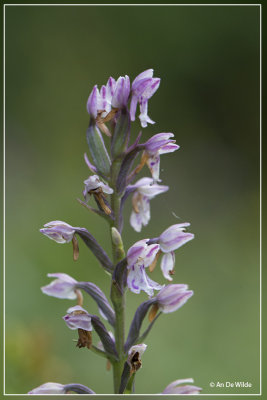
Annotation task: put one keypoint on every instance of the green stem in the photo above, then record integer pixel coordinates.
(118, 298)
(130, 385)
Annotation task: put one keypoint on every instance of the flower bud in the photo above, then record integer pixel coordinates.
(116, 237)
(172, 297)
(174, 237)
(59, 231)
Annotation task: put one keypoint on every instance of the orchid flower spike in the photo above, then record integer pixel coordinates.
(143, 88)
(171, 239)
(61, 232)
(139, 257)
(78, 318)
(154, 147)
(94, 186)
(177, 387)
(144, 190)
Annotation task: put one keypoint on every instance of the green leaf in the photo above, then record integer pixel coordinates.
(98, 149)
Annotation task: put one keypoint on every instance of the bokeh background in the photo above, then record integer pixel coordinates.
(208, 60)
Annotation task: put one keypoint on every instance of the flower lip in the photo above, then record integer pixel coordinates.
(141, 253)
(138, 280)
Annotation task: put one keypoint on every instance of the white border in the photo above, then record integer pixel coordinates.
(134, 5)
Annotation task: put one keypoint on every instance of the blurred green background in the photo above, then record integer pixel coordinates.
(208, 60)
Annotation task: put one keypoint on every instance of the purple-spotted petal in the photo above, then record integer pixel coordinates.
(104, 101)
(139, 87)
(151, 87)
(111, 83)
(138, 280)
(153, 164)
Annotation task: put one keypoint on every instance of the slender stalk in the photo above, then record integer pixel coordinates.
(118, 298)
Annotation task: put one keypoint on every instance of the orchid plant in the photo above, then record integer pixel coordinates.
(112, 110)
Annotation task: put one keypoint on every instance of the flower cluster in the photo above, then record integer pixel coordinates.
(114, 168)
